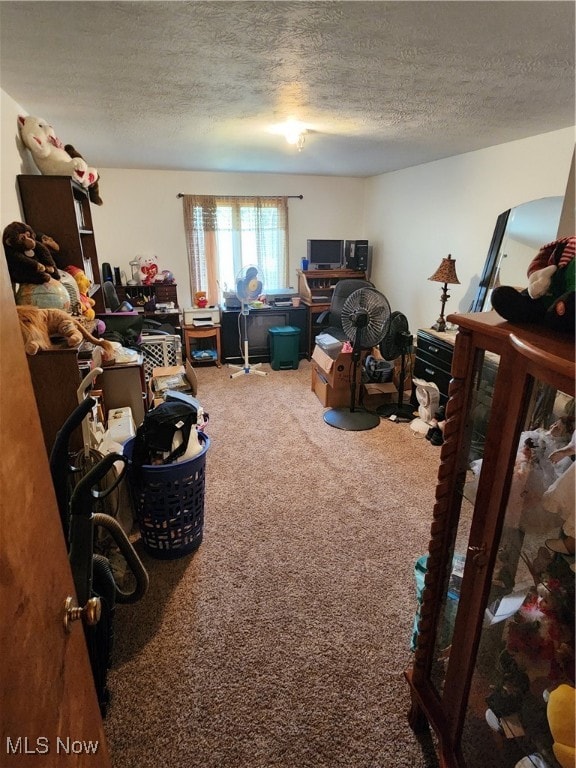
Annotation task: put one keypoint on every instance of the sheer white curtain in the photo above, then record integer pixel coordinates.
(226, 234)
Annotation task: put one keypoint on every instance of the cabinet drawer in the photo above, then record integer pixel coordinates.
(423, 370)
(434, 361)
(166, 293)
(436, 348)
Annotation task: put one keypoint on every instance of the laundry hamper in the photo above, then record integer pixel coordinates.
(168, 502)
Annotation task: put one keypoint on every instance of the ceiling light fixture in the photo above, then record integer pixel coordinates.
(294, 133)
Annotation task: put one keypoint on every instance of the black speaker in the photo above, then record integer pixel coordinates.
(106, 272)
(117, 277)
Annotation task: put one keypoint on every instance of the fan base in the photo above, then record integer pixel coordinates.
(246, 369)
(402, 412)
(352, 421)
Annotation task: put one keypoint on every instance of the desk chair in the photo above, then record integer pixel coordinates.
(111, 300)
(342, 290)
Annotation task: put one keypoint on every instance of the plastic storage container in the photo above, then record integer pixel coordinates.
(284, 346)
(168, 502)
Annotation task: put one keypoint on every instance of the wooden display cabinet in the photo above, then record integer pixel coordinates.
(496, 620)
(315, 288)
(60, 207)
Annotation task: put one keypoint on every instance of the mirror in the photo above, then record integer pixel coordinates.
(518, 236)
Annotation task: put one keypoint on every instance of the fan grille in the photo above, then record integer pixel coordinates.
(249, 283)
(365, 317)
(395, 341)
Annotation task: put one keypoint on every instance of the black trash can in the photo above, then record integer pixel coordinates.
(168, 502)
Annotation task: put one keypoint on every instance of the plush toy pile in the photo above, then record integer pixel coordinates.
(53, 158)
(549, 298)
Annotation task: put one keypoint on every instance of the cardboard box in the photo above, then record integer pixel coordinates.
(178, 377)
(331, 397)
(379, 394)
(337, 370)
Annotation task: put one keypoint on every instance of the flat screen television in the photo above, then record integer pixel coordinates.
(325, 254)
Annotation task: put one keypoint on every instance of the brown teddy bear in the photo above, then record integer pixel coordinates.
(28, 260)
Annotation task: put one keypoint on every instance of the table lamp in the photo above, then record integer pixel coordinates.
(446, 273)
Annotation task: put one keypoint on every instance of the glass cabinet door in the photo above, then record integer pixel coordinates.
(478, 414)
(526, 649)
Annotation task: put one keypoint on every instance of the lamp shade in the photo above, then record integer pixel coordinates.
(446, 272)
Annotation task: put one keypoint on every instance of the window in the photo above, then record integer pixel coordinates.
(226, 234)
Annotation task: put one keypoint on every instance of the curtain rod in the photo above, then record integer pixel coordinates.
(296, 197)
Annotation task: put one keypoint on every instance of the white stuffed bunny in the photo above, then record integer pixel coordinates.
(49, 154)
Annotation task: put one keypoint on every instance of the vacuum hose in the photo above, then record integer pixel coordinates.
(140, 574)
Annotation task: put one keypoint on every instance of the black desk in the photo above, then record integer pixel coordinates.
(258, 322)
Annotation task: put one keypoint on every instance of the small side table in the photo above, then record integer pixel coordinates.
(202, 332)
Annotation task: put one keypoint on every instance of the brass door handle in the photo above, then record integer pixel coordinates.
(90, 612)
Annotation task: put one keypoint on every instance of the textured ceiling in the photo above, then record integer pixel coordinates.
(197, 85)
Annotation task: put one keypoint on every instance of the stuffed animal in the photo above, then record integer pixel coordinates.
(549, 298)
(54, 249)
(148, 269)
(71, 286)
(28, 260)
(94, 188)
(49, 154)
(84, 283)
(561, 712)
(39, 325)
(200, 299)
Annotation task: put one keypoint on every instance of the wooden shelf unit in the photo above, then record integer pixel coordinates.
(59, 207)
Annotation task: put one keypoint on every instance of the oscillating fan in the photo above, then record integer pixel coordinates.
(397, 343)
(248, 291)
(365, 317)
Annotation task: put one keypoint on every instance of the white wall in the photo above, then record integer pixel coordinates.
(412, 218)
(143, 215)
(417, 216)
(14, 159)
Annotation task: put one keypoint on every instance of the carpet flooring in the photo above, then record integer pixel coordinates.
(281, 643)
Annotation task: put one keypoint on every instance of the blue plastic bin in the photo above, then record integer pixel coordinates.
(168, 503)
